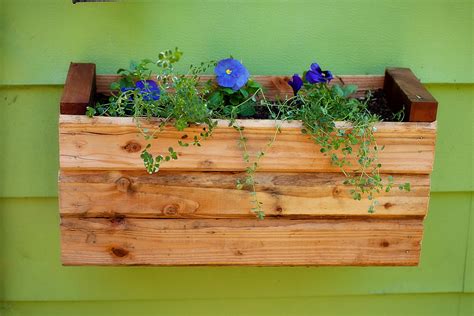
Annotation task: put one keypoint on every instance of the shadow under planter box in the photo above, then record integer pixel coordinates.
(191, 213)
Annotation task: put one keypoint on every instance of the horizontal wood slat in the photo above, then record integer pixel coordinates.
(104, 143)
(274, 86)
(98, 241)
(214, 195)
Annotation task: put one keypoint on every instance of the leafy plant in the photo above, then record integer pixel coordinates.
(342, 126)
(137, 95)
(320, 108)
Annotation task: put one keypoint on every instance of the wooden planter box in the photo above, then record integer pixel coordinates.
(190, 213)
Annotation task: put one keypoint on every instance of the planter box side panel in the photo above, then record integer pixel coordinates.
(404, 90)
(79, 89)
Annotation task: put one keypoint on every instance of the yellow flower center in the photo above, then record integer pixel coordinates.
(228, 71)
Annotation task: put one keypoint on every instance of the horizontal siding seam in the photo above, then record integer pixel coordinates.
(249, 298)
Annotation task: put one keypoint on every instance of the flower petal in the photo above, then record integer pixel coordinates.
(236, 78)
(242, 79)
(148, 89)
(147, 85)
(222, 66)
(315, 67)
(225, 81)
(314, 77)
(328, 75)
(296, 83)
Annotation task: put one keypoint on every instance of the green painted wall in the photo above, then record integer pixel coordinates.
(38, 39)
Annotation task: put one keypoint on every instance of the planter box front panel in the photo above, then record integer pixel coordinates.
(271, 242)
(136, 194)
(190, 213)
(105, 143)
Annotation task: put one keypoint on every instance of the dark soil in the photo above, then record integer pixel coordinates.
(377, 104)
(101, 98)
(262, 113)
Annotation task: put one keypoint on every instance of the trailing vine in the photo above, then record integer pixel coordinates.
(249, 180)
(342, 126)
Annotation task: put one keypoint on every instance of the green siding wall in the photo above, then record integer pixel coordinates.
(39, 39)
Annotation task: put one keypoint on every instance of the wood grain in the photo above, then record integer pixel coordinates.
(190, 213)
(105, 143)
(214, 195)
(270, 242)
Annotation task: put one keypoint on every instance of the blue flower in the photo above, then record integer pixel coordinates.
(148, 89)
(316, 75)
(230, 73)
(296, 83)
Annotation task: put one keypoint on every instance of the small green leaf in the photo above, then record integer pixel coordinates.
(244, 93)
(247, 109)
(90, 111)
(115, 86)
(228, 90)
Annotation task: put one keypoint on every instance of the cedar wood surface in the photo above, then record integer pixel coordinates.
(112, 213)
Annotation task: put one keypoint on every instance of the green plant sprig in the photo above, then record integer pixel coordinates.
(251, 169)
(319, 108)
(186, 101)
(249, 181)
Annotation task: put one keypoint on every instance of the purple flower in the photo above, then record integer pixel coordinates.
(316, 75)
(296, 83)
(148, 89)
(230, 73)
(328, 75)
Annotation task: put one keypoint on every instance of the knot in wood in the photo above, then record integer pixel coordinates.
(132, 147)
(123, 184)
(336, 191)
(117, 219)
(206, 163)
(119, 252)
(80, 144)
(388, 205)
(171, 209)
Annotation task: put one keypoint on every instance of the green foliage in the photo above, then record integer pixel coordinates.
(226, 102)
(184, 106)
(249, 180)
(152, 164)
(340, 125)
(320, 107)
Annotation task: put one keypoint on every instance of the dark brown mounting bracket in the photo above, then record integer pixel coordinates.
(402, 88)
(79, 90)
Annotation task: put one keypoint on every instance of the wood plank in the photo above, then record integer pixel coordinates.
(79, 89)
(214, 195)
(403, 88)
(105, 143)
(272, 242)
(274, 86)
